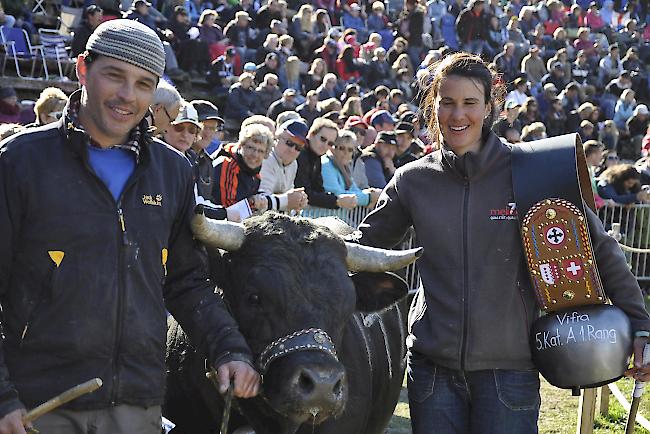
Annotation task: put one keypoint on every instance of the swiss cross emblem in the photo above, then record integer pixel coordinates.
(573, 269)
(555, 236)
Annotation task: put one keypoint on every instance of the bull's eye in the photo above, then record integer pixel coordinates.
(254, 299)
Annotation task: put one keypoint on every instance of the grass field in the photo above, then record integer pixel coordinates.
(558, 415)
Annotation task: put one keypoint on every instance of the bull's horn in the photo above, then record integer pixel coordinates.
(220, 234)
(374, 260)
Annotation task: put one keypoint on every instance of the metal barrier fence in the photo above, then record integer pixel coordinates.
(634, 221)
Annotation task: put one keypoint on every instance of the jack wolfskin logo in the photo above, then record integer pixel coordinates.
(148, 199)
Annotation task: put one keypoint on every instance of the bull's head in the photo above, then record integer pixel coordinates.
(289, 289)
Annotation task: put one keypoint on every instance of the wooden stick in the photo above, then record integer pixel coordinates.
(59, 400)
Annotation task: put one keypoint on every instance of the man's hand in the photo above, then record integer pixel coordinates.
(346, 201)
(374, 196)
(258, 202)
(247, 380)
(639, 371)
(12, 423)
(297, 199)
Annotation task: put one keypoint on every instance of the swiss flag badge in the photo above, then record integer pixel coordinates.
(573, 268)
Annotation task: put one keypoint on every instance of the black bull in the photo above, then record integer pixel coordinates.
(286, 283)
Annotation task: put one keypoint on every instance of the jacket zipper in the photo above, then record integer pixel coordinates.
(463, 345)
(122, 241)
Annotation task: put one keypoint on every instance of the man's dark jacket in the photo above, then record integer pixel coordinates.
(309, 176)
(85, 280)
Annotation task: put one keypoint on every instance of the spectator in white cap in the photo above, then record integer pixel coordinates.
(113, 226)
(184, 130)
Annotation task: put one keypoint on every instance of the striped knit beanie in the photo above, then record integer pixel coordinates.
(131, 42)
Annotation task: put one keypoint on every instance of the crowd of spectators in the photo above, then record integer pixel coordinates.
(323, 96)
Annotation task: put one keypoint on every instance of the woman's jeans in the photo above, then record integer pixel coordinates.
(446, 401)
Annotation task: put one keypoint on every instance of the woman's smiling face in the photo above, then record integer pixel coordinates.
(461, 110)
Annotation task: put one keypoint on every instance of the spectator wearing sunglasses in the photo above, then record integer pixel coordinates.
(164, 109)
(279, 169)
(320, 139)
(184, 130)
(49, 106)
(337, 171)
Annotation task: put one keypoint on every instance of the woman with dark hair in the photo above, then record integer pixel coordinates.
(346, 67)
(469, 323)
(620, 183)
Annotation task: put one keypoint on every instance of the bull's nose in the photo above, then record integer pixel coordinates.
(318, 386)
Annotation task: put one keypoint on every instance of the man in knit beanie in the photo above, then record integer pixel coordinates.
(96, 248)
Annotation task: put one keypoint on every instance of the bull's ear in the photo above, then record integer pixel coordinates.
(377, 291)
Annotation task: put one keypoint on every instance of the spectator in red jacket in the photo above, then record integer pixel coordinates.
(346, 67)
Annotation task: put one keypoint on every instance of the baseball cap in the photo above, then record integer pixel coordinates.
(355, 7)
(289, 92)
(387, 137)
(403, 127)
(139, 2)
(250, 67)
(550, 87)
(511, 103)
(206, 110)
(187, 114)
(381, 117)
(242, 14)
(296, 128)
(355, 121)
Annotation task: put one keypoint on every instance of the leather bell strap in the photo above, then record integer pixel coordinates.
(559, 256)
(551, 184)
